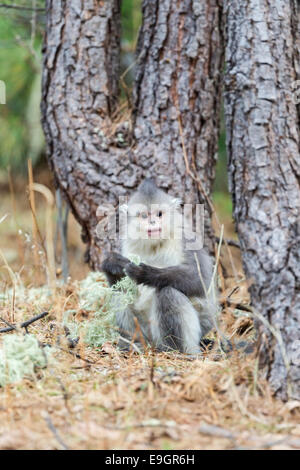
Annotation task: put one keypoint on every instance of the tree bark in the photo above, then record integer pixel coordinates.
(262, 64)
(177, 93)
(176, 102)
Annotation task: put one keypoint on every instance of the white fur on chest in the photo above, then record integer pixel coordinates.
(160, 255)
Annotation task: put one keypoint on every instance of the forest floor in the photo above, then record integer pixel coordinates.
(103, 399)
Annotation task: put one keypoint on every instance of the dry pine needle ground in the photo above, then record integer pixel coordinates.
(108, 400)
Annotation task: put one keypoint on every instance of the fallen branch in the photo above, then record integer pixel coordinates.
(216, 431)
(25, 324)
(226, 241)
(78, 356)
(20, 7)
(237, 305)
(55, 432)
(8, 324)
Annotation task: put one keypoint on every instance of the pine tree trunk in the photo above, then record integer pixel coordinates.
(262, 64)
(177, 95)
(176, 102)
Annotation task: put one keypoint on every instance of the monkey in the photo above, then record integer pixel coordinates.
(177, 303)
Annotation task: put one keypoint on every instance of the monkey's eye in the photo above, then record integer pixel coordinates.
(144, 215)
(159, 214)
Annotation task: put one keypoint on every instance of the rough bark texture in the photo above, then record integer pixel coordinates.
(262, 63)
(177, 95)
(176, 100)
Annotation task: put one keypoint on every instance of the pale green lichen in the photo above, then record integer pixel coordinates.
(102, 328)
(94, 296)
(19, 357)
(36, 297)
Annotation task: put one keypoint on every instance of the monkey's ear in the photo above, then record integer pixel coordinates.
(176, 202)
(123, 208)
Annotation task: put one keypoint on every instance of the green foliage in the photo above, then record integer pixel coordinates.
(19, 357)
(223, 203)
(221, 182)
(25, 3)
(20, 59)
(131, 20)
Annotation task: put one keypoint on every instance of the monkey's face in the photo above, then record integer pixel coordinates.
(154, 223)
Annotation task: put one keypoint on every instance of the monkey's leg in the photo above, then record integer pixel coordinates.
(128, 329)
(207, 313)
(175, 323)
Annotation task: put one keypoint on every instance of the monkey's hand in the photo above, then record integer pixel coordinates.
(114, 263)
(142, 273)
(113, 266)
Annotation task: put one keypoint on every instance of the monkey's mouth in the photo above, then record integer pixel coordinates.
(154, 232)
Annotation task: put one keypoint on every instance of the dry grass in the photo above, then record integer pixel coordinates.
(108, 400)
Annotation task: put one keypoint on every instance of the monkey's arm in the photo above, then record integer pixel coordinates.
(184, 278)
(113, 267)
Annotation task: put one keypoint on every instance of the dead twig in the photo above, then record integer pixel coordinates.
(216, 431)
(25, 324)
(78, 356)
(238, 306)
(33, 214)
(229, 242)
(55, 433)
(10, 326)
(62, 226)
